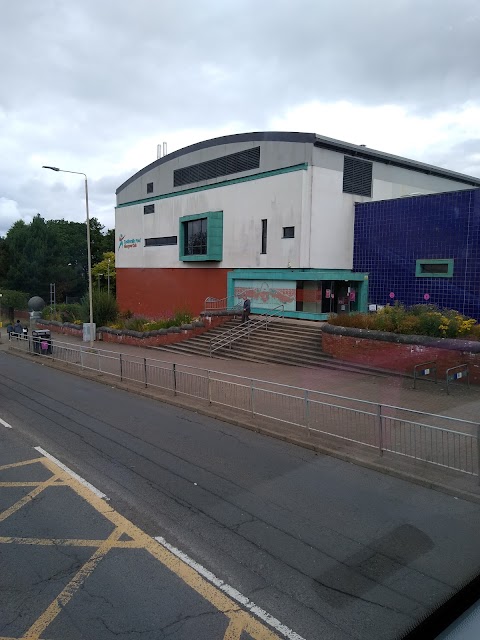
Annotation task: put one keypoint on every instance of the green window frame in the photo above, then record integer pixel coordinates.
(214, 240)
(425, 268)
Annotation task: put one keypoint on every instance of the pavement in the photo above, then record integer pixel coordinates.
(463, 402)
(326, 549)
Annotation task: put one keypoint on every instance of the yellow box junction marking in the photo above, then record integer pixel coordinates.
(239, 620)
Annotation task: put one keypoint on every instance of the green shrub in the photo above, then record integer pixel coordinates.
(421, 309)
(182, 316)
(105, 308)
(427, 320)
(63, 313)
(135, 324)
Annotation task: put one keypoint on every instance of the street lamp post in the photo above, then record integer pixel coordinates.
(89, 252)
(108, 276)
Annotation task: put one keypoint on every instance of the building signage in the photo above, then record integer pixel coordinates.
(125, 243)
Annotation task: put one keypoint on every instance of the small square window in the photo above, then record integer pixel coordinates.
(149, 187)
(288, 232)
(149, 208)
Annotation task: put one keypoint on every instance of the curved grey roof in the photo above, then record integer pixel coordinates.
(360, 151)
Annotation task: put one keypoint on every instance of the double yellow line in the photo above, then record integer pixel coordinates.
(238, 619)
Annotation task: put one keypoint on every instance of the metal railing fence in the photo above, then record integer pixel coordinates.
(440, 440)
(244, 330)
(213, 305)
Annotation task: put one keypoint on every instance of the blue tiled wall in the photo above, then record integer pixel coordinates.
(390, 235)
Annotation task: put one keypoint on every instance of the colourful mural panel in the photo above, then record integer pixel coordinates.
(267, 294)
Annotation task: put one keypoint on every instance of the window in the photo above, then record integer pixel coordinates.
(264, 236)
(149, 187)
(434, 268)
(357, 176)
(195, 237)
(224, 166)
(161, 242)
(149, 208)
(288, 232)
(201, 237)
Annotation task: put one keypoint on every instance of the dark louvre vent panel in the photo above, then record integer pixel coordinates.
(161, 242)
(224, 166)
(357, 176)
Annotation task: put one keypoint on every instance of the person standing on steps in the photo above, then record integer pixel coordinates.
(246, 310)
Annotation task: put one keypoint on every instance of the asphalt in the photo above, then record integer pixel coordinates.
(330, 549)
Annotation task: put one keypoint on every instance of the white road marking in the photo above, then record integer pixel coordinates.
(5, 424)
(230, 591)
(85, 483)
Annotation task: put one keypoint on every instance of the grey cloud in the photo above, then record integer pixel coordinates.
(83, 81)
(153, 59)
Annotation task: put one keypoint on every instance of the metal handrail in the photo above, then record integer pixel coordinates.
(246, 328)
(223, 304)
(416, 439)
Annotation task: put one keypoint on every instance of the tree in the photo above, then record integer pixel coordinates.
(105, 268)
(4, 259)
(100, 242)
(53, 251)
(11, 300)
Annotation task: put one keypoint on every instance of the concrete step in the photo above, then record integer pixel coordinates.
(267, 337)
(283, 343)
(252, 351)
(327, 363)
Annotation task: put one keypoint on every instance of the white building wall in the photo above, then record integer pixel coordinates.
(310, 200)
(332, 223)
(279, 199)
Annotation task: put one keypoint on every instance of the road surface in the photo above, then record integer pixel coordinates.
(324, 549)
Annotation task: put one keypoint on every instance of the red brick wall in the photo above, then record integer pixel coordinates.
(168, 338)
(397, 357)
(159, 292)
(21, 314)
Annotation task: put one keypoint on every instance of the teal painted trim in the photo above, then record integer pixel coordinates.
(225, 183)
(448, 274)
(298, 274)
(303, 274)
(301, 315)
(214, 237)
(362, 304)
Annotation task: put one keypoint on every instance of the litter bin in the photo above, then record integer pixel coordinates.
(42, 342)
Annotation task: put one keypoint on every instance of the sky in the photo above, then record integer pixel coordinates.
(94, 85)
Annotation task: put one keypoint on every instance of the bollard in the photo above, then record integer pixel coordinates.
(478, 453)
(306, 410)
(380, 430)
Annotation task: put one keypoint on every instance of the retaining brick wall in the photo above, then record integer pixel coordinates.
(397, 354)
(171, 337)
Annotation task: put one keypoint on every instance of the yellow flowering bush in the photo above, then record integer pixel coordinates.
(426, 320)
